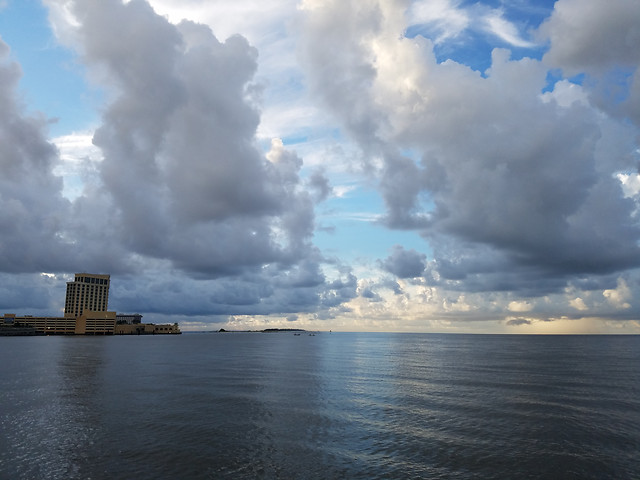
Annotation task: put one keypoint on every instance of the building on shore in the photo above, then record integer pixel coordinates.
(87, 292)
(145, 329)
(86, 313)
(11, 329)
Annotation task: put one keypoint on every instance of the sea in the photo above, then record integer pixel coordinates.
(320, 406)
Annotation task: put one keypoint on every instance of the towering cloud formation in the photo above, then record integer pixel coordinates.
(187, 180)
(513, 188)
(182, 184)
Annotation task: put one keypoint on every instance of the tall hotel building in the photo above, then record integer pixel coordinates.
(87, 292)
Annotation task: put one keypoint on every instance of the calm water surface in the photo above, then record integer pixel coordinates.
(353, 406)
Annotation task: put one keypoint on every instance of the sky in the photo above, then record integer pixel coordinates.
(379, 165)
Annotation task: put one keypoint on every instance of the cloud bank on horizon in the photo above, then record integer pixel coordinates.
(481, 160)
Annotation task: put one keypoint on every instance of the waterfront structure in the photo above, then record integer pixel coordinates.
(146, 329)
(131, 318)
(85, 313)
(9, 328)
(89, 323)
(87, 292)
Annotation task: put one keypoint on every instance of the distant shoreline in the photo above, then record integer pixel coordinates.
(266, 330)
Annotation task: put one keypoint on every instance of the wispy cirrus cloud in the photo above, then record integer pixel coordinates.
(498, 25)
(447, 20)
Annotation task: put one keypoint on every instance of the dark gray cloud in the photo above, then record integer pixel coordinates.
(592, 35)
(405, 263)
(31, 294)
(537, 195)
(273, 291)
(32, 209)
(516, 322)
(318, 183)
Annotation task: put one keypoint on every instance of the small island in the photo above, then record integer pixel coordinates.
(266, 330)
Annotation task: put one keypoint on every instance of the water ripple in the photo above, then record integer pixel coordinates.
(361, 406)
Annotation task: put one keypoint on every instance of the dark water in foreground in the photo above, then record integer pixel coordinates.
(353, 406)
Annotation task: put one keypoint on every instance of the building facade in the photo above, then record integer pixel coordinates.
(87, 292)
